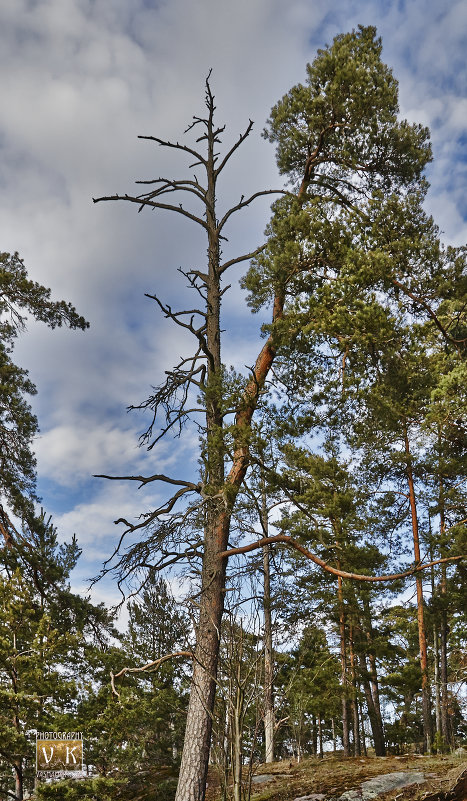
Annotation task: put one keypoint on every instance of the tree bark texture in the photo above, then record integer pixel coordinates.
(354, 698)
(195, 757)
(426, 701)
(268, 653)
(343, 658)
(375, 723)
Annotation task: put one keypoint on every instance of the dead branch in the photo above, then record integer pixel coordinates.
(239, 259)
(234, 147)
(149, 666)
(244, 203)
(168, 185)
(176, 145)
(148, 479)
(141, 201)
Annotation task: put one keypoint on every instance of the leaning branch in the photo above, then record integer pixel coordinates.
(235, 147)
(245, 257)
(243, 203)
(284, 538)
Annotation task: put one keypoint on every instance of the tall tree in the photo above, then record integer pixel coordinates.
(340, 143)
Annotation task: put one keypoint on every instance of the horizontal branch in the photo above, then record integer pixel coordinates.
(286, 540)
(148, 479)
(149, 666)
(141, 201)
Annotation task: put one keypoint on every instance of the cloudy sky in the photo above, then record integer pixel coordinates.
(80, 80)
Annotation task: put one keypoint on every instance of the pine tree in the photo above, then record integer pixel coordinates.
(44, 635)
(19, 297)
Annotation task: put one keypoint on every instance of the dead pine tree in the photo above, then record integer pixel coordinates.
(202, 374)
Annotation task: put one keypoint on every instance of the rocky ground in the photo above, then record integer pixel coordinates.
(405, 778)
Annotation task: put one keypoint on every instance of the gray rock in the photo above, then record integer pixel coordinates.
(263, 777)
(312, 797)
(382, 784)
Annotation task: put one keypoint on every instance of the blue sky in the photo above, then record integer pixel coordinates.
(80, 80)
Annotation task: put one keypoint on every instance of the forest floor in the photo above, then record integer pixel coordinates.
(329, 778)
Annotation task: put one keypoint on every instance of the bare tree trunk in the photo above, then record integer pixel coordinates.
(373, 674)
(269, 720)
(19, 792)
(426, 704)
(437, 683)
(376, 728)
(237, 735)
(443, 653)
(444, 628)
(436, 660)
(354, 699)
(363, 735)
(345, 718)
(195, 757)
(375, 695)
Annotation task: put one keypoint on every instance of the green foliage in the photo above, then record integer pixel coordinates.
(346, 114)
(19, 296)
(143, 727)
(46, 637)
(96, 789)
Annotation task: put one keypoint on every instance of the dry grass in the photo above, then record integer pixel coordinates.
(333, 775)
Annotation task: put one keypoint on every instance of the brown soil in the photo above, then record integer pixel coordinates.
(333, 775)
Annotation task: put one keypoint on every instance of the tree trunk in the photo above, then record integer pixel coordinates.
(363, 734)
(194, 765)
(268, 652)
(354, 699)
(19, 779)
(436, 661)
(376, 728)
(437, 684)
(345, 717)
(237, 735)
(426, 704)
(444, 628)
(443, 653)
(373, 674)
(195, 757)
